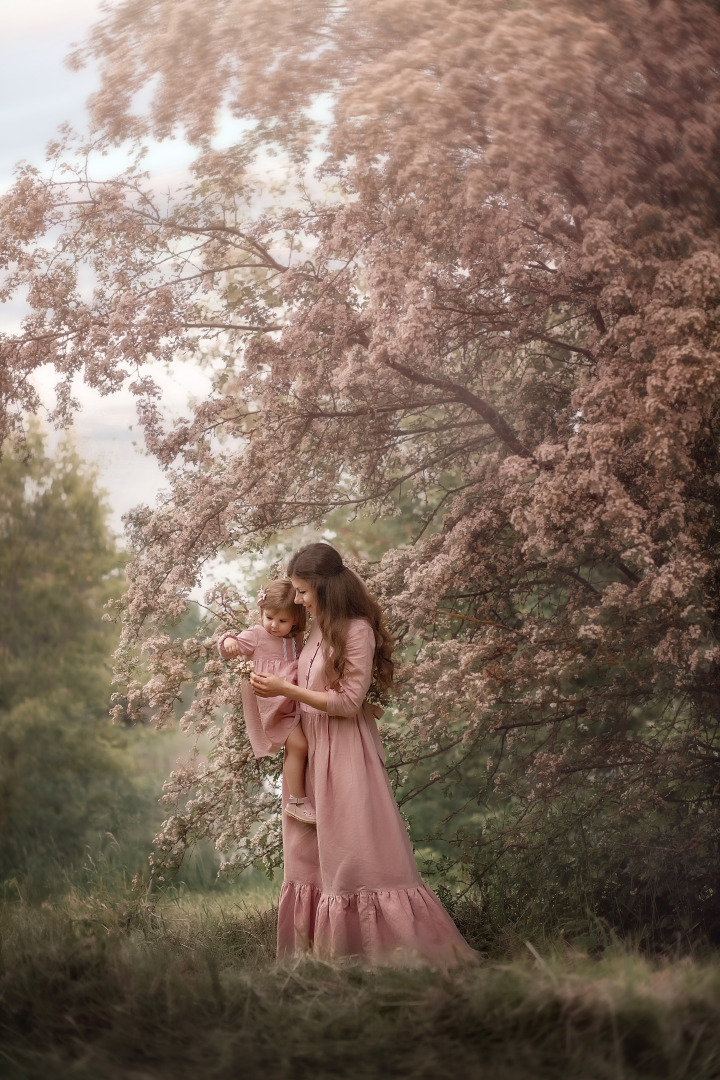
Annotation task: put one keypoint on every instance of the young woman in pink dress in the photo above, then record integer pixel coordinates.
(351, 886)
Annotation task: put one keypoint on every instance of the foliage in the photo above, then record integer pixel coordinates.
(192, 990)
(61, 776)
(495, 280)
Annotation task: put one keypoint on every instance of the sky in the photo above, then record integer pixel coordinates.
(37, 94)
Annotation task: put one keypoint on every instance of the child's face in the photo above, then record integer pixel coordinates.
(278, 623)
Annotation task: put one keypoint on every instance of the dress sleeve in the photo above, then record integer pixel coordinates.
(246, 639)
(347, 698)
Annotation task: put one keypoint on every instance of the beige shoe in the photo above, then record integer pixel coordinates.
(301, 810)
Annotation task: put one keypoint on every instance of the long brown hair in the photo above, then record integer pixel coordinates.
(341, 596)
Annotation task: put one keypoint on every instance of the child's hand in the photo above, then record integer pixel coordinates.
(230, 648)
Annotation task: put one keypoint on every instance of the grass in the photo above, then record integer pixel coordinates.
(94, 989)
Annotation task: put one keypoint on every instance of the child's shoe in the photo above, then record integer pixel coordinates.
(301, 810)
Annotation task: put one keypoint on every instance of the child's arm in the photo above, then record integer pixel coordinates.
(232, 645)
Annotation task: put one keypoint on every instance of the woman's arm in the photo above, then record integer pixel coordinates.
(347, 697)
(275, 686)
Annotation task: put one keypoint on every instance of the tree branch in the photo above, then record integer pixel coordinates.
(563, 345)
(483, 408)
(231, 326)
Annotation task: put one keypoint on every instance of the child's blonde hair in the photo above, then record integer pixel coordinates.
(280, 596)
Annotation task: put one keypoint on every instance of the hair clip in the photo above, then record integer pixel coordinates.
(262, 594)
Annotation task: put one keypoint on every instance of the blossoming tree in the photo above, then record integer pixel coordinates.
(492, 281)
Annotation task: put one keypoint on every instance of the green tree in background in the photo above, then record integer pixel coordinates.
(61, 772)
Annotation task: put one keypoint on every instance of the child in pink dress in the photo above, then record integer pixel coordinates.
(274, 647)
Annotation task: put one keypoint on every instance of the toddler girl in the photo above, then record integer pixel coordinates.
(274, 646)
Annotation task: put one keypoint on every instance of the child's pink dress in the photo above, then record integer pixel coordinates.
(351, 886)
(269, 721)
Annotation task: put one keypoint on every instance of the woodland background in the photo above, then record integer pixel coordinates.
(470, 331)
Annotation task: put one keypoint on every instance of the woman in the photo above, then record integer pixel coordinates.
(351, 885)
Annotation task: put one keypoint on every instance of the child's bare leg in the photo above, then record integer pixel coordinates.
(296, 752)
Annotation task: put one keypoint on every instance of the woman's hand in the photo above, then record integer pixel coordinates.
(269, 685)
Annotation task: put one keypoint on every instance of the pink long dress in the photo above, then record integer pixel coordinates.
(351, 885)
(268, 721)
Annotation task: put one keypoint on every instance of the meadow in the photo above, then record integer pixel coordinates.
(187, 987)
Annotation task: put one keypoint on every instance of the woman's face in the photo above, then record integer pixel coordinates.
(305, 594)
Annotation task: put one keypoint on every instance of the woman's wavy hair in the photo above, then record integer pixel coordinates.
(341, 596)
(279, 595)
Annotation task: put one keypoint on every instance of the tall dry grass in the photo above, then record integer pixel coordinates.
(94, 989)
